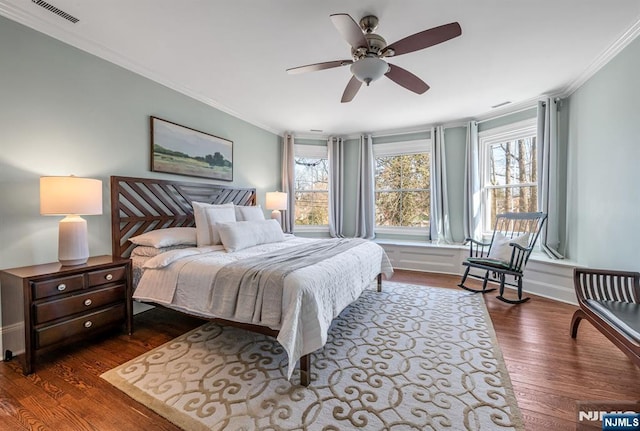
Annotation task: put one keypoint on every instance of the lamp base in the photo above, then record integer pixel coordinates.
(73, 243)
(277, 215)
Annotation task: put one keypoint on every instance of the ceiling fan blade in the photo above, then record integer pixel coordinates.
(319, 66)
(351, 90)
(406, 79)
(424, 39)
(349, 30)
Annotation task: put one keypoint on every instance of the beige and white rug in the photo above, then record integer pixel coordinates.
(408, 358)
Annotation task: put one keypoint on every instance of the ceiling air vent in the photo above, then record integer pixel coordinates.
(53, 9)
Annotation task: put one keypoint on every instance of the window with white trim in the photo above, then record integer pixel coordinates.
(509, 171)
(311, 185)
(402, 186)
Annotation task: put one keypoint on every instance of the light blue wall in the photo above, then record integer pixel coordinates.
(63, 111)
(604, 165)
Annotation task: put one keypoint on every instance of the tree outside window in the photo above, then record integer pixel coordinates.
(403, 190)
(511, 175)
(311, 191)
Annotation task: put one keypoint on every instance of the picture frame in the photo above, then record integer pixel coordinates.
(181, 150)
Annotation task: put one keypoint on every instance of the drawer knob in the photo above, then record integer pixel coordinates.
(109, 277)
(88, 302)
(88, 324)
(62, 287)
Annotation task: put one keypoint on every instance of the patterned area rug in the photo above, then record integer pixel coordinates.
(408, 358)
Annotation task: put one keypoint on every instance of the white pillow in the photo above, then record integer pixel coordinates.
(242, 234)
(144, 251)
(206, 216)
(249, 213)
(167, 258)
(501, 250)
(166, 237)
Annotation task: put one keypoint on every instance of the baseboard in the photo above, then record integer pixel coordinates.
(424, 258)
(14, 336)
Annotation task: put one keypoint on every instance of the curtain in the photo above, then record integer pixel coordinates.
(472, 198)
(288, 182)
(440, 228)
(365, 198)
(336, 186)
(548, 182)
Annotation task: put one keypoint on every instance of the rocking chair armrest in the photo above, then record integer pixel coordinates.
(519, 247)
(519, 256)
(477, 248)
(473, 241)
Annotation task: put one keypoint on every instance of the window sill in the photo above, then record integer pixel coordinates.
(410, 243)
(541, 256)
(311, 229)
(413, 231)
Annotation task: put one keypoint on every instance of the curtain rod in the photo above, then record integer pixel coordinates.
(556, 99)
(506, 114)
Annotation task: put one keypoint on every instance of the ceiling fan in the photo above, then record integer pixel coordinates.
(369, 51)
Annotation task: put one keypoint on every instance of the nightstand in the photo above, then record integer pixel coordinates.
(63, 304)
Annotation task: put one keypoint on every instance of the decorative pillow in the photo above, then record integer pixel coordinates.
(167, 258)
(501, 250)
(243, 234)
(249, 213)
(144, 251)
(206, 215)
(166, 237)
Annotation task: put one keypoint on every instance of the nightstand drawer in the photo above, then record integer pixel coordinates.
(80, 325)
(55, 309)
(104, 276)
(57, 286)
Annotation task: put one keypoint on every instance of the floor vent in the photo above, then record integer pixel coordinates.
(53, 9)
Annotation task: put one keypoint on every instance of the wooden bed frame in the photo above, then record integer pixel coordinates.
(140, 205)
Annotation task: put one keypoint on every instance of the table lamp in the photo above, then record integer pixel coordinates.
(71, 197)
(276, 201)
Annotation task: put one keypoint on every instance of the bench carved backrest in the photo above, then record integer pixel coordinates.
(607, 285)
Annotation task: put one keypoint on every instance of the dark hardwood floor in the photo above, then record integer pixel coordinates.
(550, 371)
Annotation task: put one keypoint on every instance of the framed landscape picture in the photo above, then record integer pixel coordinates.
(176, 149)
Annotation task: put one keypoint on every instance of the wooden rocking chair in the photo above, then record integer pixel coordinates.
(507, 254)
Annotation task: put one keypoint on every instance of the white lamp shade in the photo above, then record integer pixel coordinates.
(276, 201)
(70, 195)
(368, 69)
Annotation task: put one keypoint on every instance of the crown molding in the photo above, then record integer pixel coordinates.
(623, 41)
(59, 32)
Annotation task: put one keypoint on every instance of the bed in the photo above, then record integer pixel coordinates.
(293, 300)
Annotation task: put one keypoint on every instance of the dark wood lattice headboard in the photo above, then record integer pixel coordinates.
(140, 205)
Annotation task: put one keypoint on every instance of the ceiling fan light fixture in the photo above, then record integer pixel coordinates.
(369, 69)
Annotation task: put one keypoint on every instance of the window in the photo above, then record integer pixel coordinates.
(509, 171)
(403, 180)
(311, 185)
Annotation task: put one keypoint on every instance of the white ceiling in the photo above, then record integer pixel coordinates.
(233, 54)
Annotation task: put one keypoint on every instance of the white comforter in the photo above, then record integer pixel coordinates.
(311, 298)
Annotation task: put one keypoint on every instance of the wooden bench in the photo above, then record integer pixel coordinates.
(610, 300)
